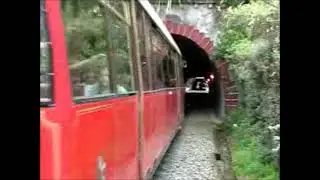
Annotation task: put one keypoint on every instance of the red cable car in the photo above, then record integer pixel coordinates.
(111, 89)
(209, 78)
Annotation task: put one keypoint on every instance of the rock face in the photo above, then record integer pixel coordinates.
(192, 154)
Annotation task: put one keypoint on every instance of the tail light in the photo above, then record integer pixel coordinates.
(209, 78)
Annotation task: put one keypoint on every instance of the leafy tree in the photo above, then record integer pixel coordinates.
(249, 40)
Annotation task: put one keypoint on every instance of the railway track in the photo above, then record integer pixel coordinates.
(192, 153)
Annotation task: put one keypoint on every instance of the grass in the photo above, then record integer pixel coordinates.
(246, 158)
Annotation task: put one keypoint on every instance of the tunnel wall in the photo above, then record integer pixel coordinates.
(191, 32)
(202, 14)
(198, 21)
(228, 94)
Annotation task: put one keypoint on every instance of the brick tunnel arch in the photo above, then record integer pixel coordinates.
(189, 38)
(191, 32)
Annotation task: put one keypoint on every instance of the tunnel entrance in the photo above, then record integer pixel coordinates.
(198, 64)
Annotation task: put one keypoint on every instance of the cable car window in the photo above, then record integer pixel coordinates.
(150, 56)
(45, 60)
(159, 52)
(172, 69)
(98, 41)
(144, 48)
(165, 63)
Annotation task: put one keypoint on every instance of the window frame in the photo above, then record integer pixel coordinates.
(49, 74)
(147, 24)
(161, 38)
(126, 19)
(144, 48)
(172, 66)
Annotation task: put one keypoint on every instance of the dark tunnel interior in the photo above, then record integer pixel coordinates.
(198, 64)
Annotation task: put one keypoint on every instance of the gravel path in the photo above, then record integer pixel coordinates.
(191, 155)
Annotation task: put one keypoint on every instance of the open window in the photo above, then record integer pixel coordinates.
(99, 48)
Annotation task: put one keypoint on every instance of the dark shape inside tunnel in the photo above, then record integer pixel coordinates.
(198, 64)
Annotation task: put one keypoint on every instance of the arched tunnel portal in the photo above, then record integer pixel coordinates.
(198, 64)
(196, 50)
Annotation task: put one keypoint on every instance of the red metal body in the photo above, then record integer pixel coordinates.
(209, 78)
(74, 135)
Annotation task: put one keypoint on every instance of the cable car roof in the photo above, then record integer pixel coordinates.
(158, 21)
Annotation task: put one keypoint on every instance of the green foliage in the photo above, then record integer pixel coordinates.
(232, 3)
(227, 45)
(246, 149)
(249, 40)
